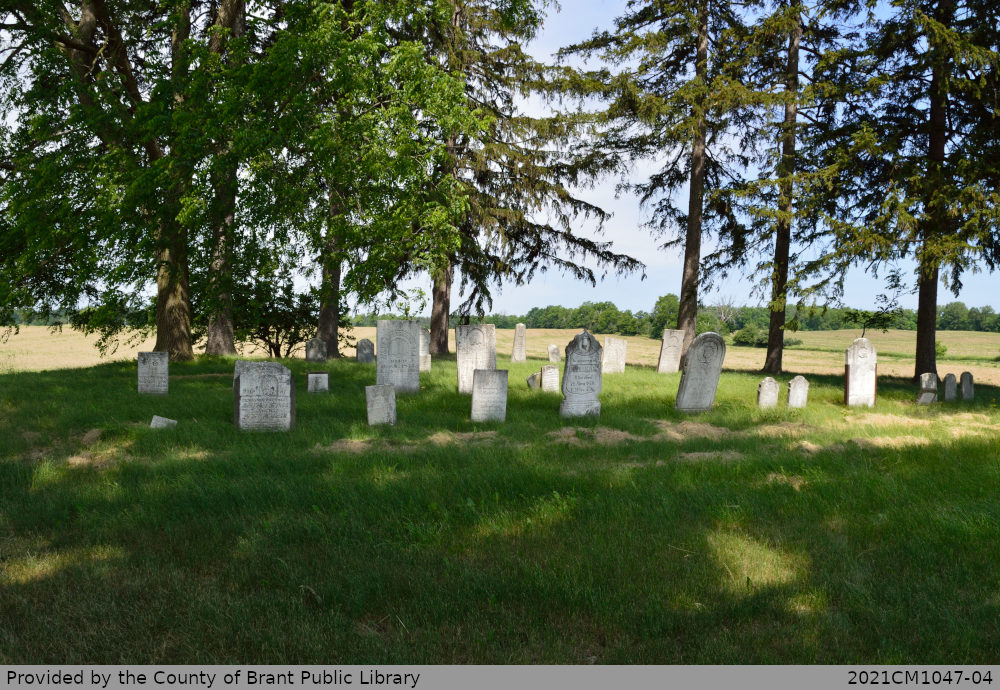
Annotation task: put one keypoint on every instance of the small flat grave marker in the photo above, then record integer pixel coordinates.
(520, 344)
(701, 367)
(154, 373)
(950, 388)
(928, 389)
(477, 349)
(581, 382)
(860, 374)
(767, 393)
(264, 397)
(489, 395)
(381, 403)
(670, 351)
(798, 392)
(550, 378)
(316, 350)
(162, 422)
(318, 382)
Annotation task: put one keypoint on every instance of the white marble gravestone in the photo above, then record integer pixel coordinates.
(477, 349)
(318, 382)
(860, 370)
(264, 397)
(550, 378)
(398, 361)
(518, 354)
(798, 392)
(154, 373)
(950, 388)
(701, 366)
(670, 351)
(928, 389)
(535, 380)
(968, 391)
(489, 395)
(554, 353)
(581, 382)
(365, 351)
(316, 350)
(381, 403)
(162, 422)
(767, 393)
(614, 355)
(425, 350)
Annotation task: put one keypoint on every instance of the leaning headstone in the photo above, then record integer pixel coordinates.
(365, 351)
(798, 392)
(535, 380)
(968, 392)
(398, 362)
(928, 389)
(316, 350)
(614, 355)
(477, 349)
(489, 395)
(520, 344)
(425, 350)
(381, 403)
(554, 353)
(581, 382)
(162, 422)
(318, 382)
(264, 397)
(154, 368)
(670, 351)
(767, 393)
(550, 378)
(950, 388)
(860, 369)
(701, 366)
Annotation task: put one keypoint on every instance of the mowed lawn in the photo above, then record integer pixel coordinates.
(828, 534)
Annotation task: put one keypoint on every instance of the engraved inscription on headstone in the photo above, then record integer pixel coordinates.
(928, 389)
(701, 366)
(554, 353)
(398, 362)
(798, 392)
(425, 350)
(767, 393)
(318, 382)
(489, 395)
(860, 371)
(316, 350)
(365, 351)
(477, 349)
(154, 368)
(968, 392)
(581, 382)
(535, 380)
(518, 354)
(381, 403)
(264, 397)
(614, 355)
(550, 378)
(670, 351)
(162, 422)
(950, 388)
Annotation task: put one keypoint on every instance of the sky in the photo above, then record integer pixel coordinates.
(576, 20)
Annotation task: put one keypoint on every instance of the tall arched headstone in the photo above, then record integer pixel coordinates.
(968, 392)
(398, 362)
(798, 392)
(670, 351)
(581, 382)
(701, 366)
(477, 349)
(950, 388)
(767, 393)
(860, 372)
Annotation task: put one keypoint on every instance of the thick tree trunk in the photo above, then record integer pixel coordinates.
(329, 311)
(927, 283)
(173, 301)
(440, 308)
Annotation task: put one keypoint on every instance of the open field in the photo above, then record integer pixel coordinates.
(740, 535)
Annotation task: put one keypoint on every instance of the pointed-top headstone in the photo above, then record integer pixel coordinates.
(860, 369)
(518, 354)
(581, 382)
(701, 366)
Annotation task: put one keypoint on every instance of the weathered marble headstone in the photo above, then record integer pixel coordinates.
(581, 382)
(767, 393)
(264, 397)
(550, 378)
(860, 370)
(489, 395)
(318, 382)
(554, 353)
(950, 388)
(316, 350)
(520, 344)
(928, 389)
(381, 403)
(398, 362)
(535, 380)
(798, 392)
(425, 350)
(477, 349)
(239, 367)
(365, 351)
(162, 422)
(614, 355)
(154, 373)
(670, 351)
(968, 392)
(701, 366)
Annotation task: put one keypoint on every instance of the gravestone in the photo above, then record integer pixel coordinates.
(550, 378)
(968, 392)
(950, 388)
(670, 351)
(701, 366)
(381, 403)
(398, 362)
(554, 353)
(520, 344)
(162, 422)
(581, 382)
(318, 382)
(928, 389)
(798, 392)
(425, 350)
(316, 350)
(614, 355)
(489, 395)
(365, 350)
(767, 393)
(477, 349)
(264, 397)
(154, 373)
(239, 367)
(860, 371)
(535, 380)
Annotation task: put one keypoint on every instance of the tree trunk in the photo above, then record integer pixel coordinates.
(926, 319)
(440, 308)
(329, 311)
(173, 301)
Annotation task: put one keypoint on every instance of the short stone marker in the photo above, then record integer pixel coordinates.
(798, 392)
(928, 389)
(316, 350)
(381, 403)
(860, 371)
(162, 422)
(670, 351)
(581, 382)
(489, 395)
(398, 362)
(425, 350)
(554, 353)
(767, 393)
(318, 382)
(701, 366)
(154, 373)
(477, 349)
(550, 378)
(950, 388)
(968, 392)
(535, 380)
(518, 354)
(264, 397)
(614, 355)
(365, 351)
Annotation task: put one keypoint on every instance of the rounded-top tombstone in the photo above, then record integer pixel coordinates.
(701, 366)
(767, 393)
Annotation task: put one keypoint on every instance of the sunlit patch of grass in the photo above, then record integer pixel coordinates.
(749, 565)
(32, 567)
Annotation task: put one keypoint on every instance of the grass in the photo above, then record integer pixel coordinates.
(823, 535)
